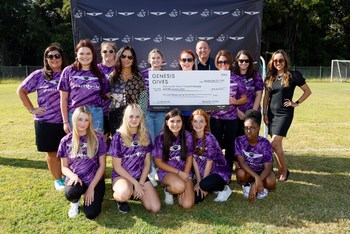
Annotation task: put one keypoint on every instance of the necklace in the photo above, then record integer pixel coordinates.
(280, 77)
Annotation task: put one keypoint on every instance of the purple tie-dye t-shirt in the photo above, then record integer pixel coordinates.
(255, 156)
(106, 71)
(237, 89)
(47, 95)
(83, 87)
(132, 157)
(82, 165)
(213, 152)
(252, 86)
(175, 153)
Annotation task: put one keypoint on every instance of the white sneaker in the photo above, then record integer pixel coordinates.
(262, 194)
(224, 194)
(152, 176)
(74, 209)
(59, 185)
(246, 190)
(169, 198)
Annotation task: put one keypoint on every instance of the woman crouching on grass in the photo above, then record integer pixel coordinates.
(212, 171)
(83, 158)
(131, 148)
(254, 155)
(173, 150)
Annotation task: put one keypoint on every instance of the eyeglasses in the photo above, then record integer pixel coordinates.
(190, 60)
(243, 60)
(251, 129)
(109, 51)
(130, 57)
(278, 60)
(52, 56)
(223, 62)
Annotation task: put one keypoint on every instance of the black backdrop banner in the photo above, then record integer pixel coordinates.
(170, 26)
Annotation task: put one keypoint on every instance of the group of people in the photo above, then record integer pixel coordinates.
(88, 110)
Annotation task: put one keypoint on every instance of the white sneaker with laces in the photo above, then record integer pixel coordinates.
(246, 190)
(262, 194)
(169, 198)
(74, 209)
(59, 185)
(224, 194)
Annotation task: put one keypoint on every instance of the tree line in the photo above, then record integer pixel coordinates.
(313, 32)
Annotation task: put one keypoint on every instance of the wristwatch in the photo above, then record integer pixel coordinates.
(297, 102)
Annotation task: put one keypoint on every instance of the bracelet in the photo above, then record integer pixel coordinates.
(297, 102)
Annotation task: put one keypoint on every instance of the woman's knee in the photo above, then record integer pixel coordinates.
(241, 176)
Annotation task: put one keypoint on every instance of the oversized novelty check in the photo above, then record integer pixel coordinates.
(189, 90)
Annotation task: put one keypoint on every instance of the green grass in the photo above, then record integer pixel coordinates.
(314, 200)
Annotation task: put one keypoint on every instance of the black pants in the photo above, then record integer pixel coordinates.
(225, 132)
(211, 183)
(115, 119)
(74, 192)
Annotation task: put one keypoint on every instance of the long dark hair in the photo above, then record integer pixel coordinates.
(272, 71)
(119, 67)
(169, 138)
(48, 73)
(250, 70)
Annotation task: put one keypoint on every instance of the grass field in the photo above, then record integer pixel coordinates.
(315, 199)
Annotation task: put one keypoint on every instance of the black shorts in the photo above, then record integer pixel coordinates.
(106, 125)
(48, 136)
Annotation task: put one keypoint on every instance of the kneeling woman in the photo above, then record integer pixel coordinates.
(254, 155)
(173, 150)
(213, 173)
(83, 157)
(131, 148)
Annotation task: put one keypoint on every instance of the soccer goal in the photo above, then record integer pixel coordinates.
(340, 70)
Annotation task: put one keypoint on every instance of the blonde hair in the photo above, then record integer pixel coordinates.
(125, 130)
(272, 71)
(91, 139)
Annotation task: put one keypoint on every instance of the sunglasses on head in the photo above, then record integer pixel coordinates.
(109, 51)
(52, 56)
(130, 57)
(243, 60)
(190, 60)
(223, 62)
(278, 60)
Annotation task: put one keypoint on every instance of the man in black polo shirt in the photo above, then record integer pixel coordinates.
(203, 60)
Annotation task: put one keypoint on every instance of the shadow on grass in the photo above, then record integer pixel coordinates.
(314, 193)
(23, 163)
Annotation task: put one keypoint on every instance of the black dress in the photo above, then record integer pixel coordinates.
(280, 117)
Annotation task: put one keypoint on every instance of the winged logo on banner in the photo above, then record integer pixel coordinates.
(126, 13)
(110, 38)
(109, 14)
(174, 38)
(206, 38)
(205, 13)
(252, 12)
(94, 13)
(158, 39)
(157, 13)
(236, 12)
(190, 12)
(78, 14)
(220, 12)
(174, 13)
(142, 13)
(236, 38)
(142, 38)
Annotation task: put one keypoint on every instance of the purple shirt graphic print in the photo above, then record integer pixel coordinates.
(82, 165)
(255, 156)
(175, 153)
(47, 95)
(132, 157)
(213, 152)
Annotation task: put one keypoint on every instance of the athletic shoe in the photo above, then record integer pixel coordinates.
(59, 185)
(262, 194)
(123, 207)
(152, 176)
(246, 190)
(74, 209)
(169, 199)
(224, 194)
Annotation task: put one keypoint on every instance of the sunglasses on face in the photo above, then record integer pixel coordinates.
(223, 62)
(190, 60)
(109, 51)
(53, 56)
(278, 60)
(243, 60)
(130, 57)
